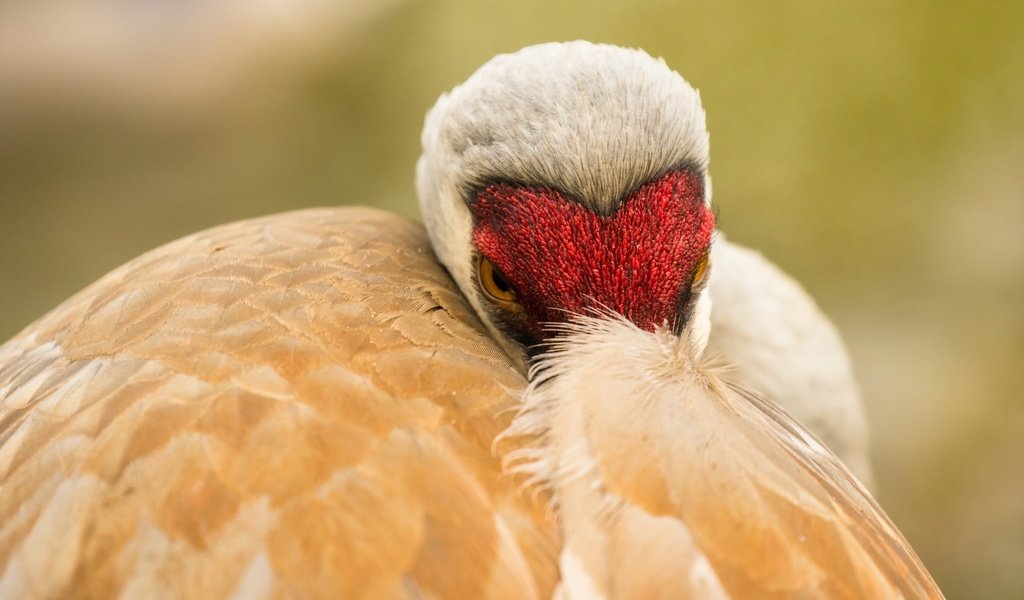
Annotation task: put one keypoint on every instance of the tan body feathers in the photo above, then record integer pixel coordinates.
(325, 404)
(247, 411)
(247, 407)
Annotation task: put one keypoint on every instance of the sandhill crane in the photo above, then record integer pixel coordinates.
(325, 404)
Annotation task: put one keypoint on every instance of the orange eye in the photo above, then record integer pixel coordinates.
(700, 271)
(494, 283)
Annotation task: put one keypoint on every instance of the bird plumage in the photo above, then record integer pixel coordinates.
(301, 403)
(779, 343)
(589, 120)
(310, 405)
(650, 454)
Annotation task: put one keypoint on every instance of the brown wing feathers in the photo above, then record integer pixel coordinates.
(301, 404)
(304, 405)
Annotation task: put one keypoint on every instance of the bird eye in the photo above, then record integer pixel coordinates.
(494, 283)
(701, 271)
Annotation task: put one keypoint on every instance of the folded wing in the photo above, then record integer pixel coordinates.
(300, 404)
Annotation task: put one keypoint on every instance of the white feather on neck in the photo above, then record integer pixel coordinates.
(595, 361)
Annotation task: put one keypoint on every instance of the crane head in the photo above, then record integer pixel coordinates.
(571, 179)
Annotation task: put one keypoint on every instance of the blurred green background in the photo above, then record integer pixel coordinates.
(874, 149)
